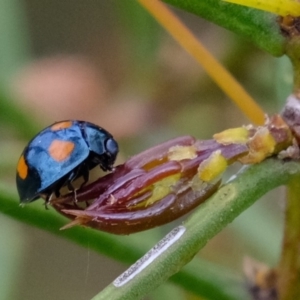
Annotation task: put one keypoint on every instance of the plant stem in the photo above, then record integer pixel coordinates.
(293, 50)
(123, 249)
(17, 119)
(205, 222)
(289, 268)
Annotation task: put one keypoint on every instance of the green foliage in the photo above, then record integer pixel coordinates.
(200, 277)
(258, 26)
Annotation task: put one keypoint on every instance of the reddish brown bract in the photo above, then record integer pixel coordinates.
(165, 182)
(152, 188)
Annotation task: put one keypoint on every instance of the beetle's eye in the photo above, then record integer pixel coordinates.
(112, 147)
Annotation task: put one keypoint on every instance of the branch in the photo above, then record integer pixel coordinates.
(184, 242)
(206, 221)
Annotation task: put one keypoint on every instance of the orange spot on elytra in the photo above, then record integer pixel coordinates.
(60, 150)
(22, 168)
(61, 125)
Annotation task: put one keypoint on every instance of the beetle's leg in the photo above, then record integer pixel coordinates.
(46, 204)
(48, 198)
(85, 174)
(71, 188)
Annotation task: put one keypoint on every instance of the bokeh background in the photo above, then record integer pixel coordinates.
(110, 63)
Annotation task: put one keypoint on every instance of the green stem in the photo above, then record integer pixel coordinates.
(258, 26)
(123, 249)
(14, 38)
(289, 268)
(13, 116)
(205, 222)
(293, 48)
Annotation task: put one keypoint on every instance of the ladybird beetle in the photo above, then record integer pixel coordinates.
(61, 153)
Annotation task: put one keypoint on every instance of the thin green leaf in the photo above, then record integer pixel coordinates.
(12, 115)
(124, 249)
(205, 222)
(258, 26)
(14, 38)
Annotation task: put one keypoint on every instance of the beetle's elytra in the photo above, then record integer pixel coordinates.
(61, 153)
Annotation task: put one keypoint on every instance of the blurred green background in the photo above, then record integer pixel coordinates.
(110, 63)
